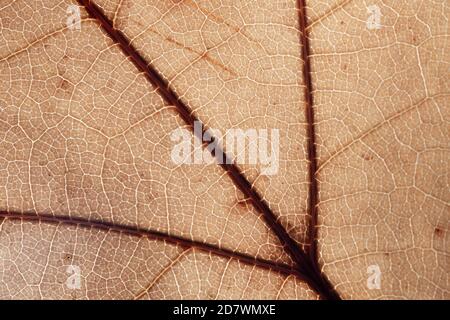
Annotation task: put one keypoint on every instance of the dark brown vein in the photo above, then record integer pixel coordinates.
(152, 234)
(305, 266)
(312, 154)
(311, 135)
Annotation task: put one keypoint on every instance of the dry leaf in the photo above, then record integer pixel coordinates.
(93, 205)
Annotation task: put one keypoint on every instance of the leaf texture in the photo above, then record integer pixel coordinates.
(87, 179)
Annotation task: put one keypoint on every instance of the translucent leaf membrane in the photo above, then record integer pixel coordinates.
(88, 185)
(382, 120)
(85, 135)
(237, 65)
(48, 261)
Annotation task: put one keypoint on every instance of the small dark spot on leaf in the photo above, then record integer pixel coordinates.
(149, 197)
(243, 203)
(439, 232)
(205, 55)
(275, 103)
(211, 294)
(63, 84)
(367, 156)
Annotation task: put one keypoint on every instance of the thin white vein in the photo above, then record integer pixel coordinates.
(162, 273)
(376, 127)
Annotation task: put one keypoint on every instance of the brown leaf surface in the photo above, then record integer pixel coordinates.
(87, 179)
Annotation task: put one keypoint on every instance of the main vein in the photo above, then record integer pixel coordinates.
(151, 234)
(313, 192)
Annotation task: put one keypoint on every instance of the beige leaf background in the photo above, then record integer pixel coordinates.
(87, 179)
